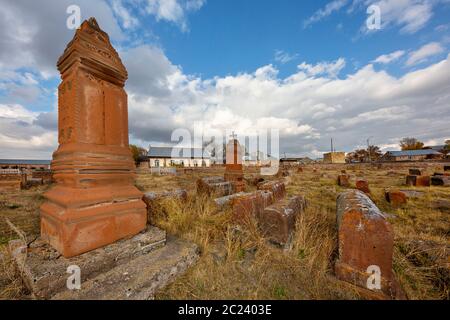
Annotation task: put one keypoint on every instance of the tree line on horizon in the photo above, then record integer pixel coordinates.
(373, 153)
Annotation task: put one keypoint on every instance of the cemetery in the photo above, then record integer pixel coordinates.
(328, 230)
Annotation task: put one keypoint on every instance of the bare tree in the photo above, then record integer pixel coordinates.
(411, 144)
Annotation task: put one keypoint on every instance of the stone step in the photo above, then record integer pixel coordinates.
(45, 271)
(140, 278)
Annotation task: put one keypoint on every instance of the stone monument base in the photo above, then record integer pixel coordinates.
(132, 269)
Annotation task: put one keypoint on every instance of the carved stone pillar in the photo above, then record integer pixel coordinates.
(233, 168)
(94, 201)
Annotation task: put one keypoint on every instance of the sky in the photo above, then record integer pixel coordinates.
(313, 70)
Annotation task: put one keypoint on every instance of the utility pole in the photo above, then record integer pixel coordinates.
(368, 149)
(332, 149)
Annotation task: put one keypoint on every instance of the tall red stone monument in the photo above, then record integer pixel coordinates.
(94, 201)
(233, 167)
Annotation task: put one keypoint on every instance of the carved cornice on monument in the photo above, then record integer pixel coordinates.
(91, 50)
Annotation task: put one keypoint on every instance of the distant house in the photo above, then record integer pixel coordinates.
(295, 161)
(160, 157)
(334, 157)
(412, 155)
(24, 164)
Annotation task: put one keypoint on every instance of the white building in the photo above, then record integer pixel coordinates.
(162, 157)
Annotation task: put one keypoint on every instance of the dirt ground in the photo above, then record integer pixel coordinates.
(238, 263)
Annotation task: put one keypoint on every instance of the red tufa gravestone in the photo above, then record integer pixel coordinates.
(233, 169)
(423, 181)
(343, 180)
(366, 240)
(277, 221)
(248, 206)
(396, 197)
(411, 180)
(363, 185)
(278, 188)
(94, 202)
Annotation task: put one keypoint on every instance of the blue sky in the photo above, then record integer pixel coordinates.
(311, 69)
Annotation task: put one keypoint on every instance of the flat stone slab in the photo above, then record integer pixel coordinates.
(44, 270)
(140, 278)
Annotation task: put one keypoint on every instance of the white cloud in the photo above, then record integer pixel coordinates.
(127, 19)
(308, 110)
(388, 58)
(331, 69)
(173, 10)
(425, 52)
(330, 8)
(408, 15)
(284, 57)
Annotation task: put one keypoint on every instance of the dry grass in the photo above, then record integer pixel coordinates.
(237, 263)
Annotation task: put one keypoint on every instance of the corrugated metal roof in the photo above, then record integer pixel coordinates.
(23, 161)
(422, 152)
(174, 153)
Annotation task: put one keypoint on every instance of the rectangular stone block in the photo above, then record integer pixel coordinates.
(411, 180)
(443, 181)
(215, 186)
(278, 188)
(396, 197)
(277, 221)
(365, 241)
(250, 205)
(343, 180)
(423, 181)
(154, 201)
(45, 175)
(44, 271)
(10, 185)
(363, 185)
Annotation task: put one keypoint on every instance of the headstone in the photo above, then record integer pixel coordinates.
(366, 242)
(94, 201)
(443, 181)
(233, 168)
(396, 197)
(277, 221)
(45, 175)
(250, 205)
(12, 180)
(411, 180)
(343, 180)
(277, 187)
(154, 201)
(363, 185)
(216, 186)
(423, 181)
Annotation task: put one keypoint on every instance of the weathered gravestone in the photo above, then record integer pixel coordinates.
(233, 168)
(366, 241)
(94, 201)
(94, 217)
(277, 221)
(343, 180)
(443, 181)
(363, 185)
(277, 187)
(12, 180)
